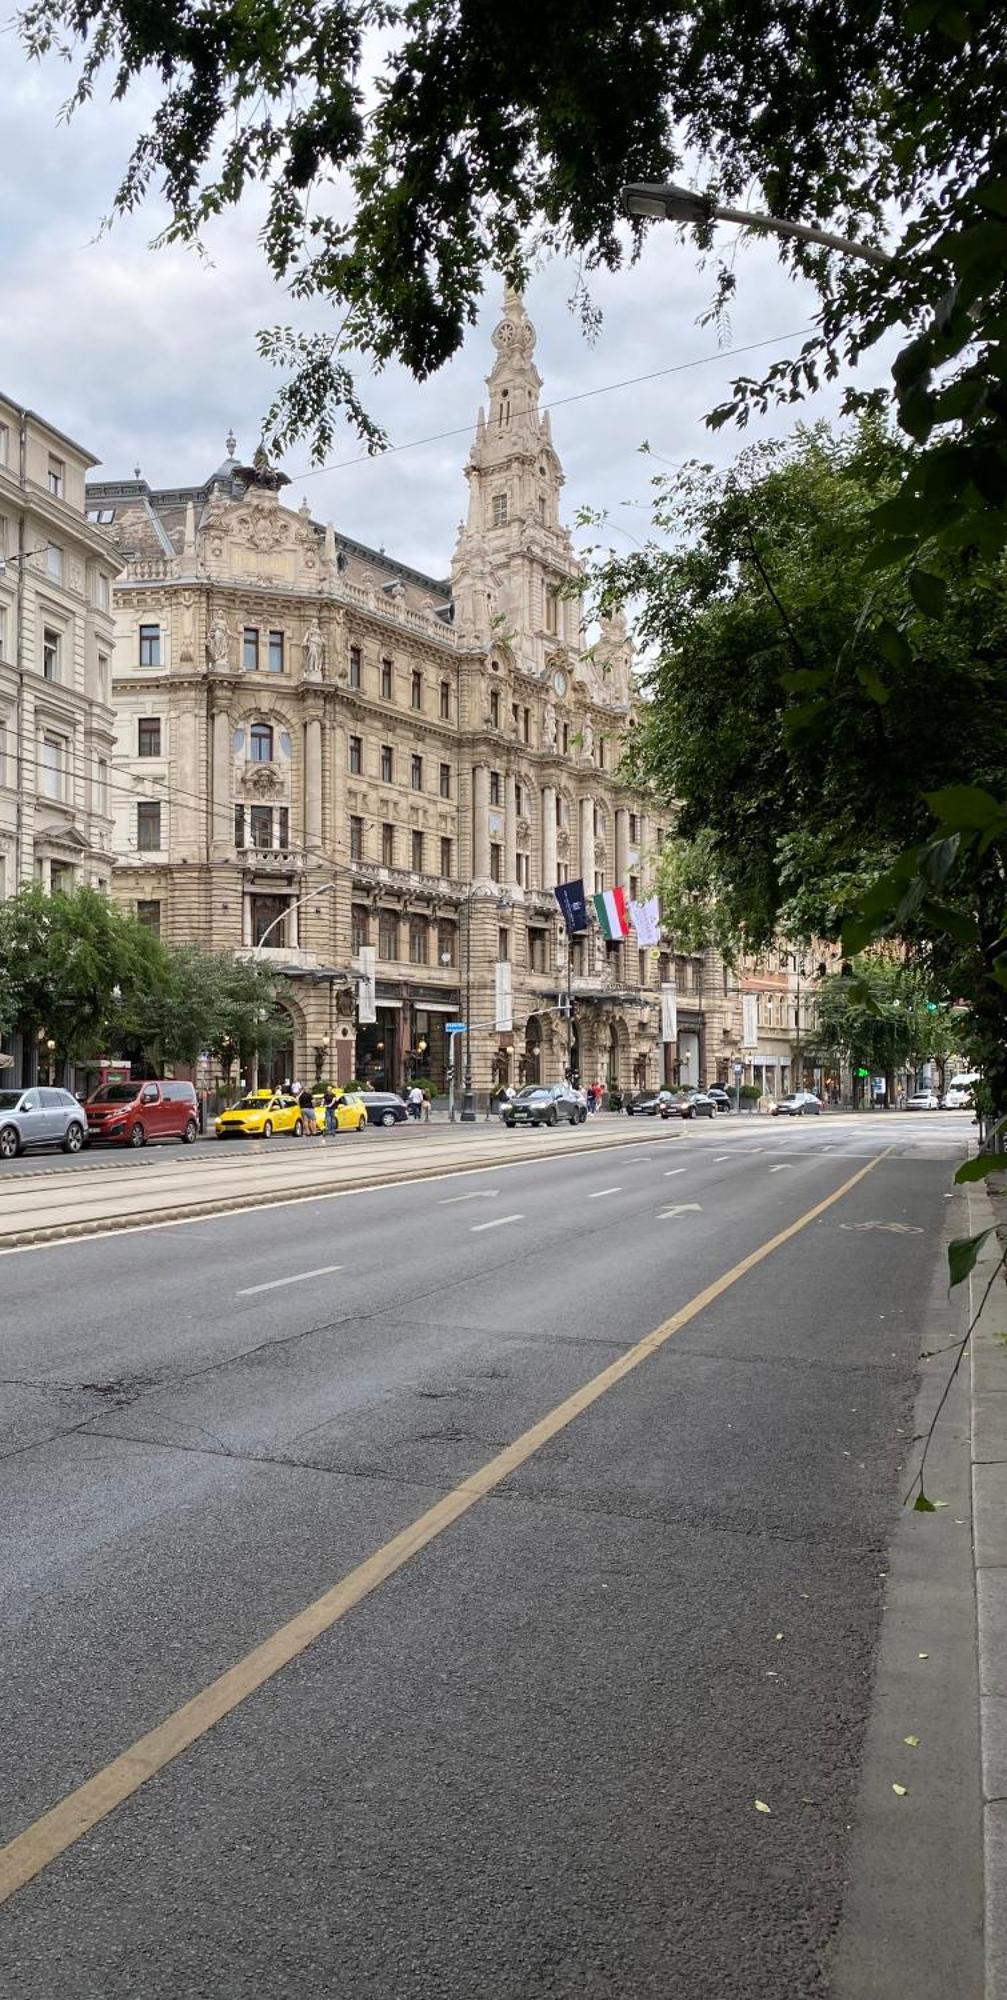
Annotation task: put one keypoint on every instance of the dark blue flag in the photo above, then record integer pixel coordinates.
(570, 897)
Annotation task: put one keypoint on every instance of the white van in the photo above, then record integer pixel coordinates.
(958, 1095)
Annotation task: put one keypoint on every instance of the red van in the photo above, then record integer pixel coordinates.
(130, 1113)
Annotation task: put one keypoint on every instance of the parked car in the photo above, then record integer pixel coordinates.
(797, 1104)
(545, 1104)
(383, 1107)
(923, 1100)
(647, 1103)
(688, 1104)
(259, 1115)
(721, 1099)
(959, 1093)
(351, 1114)
(40, 1117)
(130, 1113)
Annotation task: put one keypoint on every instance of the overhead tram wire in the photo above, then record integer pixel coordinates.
(559, 403)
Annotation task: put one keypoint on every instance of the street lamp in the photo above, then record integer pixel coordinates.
(325, 890)
(668, 203)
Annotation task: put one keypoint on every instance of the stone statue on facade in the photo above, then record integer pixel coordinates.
(587, 740)
(313, 652)
(218, 645)
(549, 726)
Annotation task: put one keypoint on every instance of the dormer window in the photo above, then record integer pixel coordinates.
(261, 742)
(499, 510)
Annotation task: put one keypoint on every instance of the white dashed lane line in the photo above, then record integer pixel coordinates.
(295, 1278)
(598, 1192)
(497, 1223)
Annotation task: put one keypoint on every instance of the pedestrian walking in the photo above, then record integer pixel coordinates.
(307, 1108)
(330, 1101)
(415, 1101)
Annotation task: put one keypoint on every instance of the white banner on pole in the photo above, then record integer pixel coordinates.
(669, 1014)
(504, 1022)
(366, 989)
(749, 1020)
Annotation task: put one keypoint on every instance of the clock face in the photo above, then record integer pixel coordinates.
(559, 683)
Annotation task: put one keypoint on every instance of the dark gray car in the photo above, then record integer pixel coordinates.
(545, 1104)
(40, 1116)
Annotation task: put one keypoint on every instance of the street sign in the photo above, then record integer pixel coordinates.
(739, 1069)
(454, 1028)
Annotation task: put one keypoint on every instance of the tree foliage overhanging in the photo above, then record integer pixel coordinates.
(811, 717)
(493, 134)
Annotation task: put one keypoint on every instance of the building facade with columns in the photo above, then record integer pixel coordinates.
(322, 752)
(56, 640)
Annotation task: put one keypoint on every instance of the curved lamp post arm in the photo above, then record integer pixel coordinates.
(669, 203)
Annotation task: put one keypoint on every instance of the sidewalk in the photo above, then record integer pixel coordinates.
(989, 1506)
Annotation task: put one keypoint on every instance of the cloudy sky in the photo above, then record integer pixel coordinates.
(148, 356)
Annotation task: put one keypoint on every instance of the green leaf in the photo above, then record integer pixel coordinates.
(965, 805)
(941, 917)
(885, 554)
(804, 680)
(929, 592)
(977, 1169)
(893, 645)
(963, 1252)
(873, 685)
(993, 196)
(805, 717)
(921, 1505)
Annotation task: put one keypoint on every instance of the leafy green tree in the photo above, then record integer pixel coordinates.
(494, 134)
(881, 1017)
(69, 962)
(207, 1000)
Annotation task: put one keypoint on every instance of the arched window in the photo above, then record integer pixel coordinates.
(261, 736)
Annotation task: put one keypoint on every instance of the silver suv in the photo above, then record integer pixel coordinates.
(39, 1117)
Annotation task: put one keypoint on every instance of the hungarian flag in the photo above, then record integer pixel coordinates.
(610, 907)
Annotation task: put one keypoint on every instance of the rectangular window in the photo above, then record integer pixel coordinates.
(149, 915)
(599, 881)
(3, 631)
(250, 649)
(494, 788)
(148, 736)
(283, 826)
(3, 758)
(519, 798)
(56, 476)
(496, 861)
(150, 645)
(356, 837)
(499, 510)
(103, 677)
(356, 755)
(417, 852)
(601, 753)
(416, 689)
(4, 444)
(386, 680)
(562, 871)
(354, 666)
(50, 654)
(515, 716)
(387, 845)
(565, 739)
(61, 880)
(102, 590)
(447, 858)
(445, 701)
(445, 781)
(416, 773)
(634, 889)
(526, 725)
(577, 956)
(54, 562)
(551, 608)
(417, 940)
(388, 934)
(536, 950)
(148, 825)
(239, 826)
(360, 927)
(641, 967)
(446, 943)
(260, 826)
(276, 653)
(100, 785)
(387, 763)
(522, 863)
(503, 945)
(634, 827)
(495, 707)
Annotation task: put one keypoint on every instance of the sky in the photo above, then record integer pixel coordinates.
(148, 357)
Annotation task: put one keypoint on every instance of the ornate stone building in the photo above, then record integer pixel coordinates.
(56, 637)
(322, 752)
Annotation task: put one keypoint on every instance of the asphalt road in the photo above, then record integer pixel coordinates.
(527, 1762)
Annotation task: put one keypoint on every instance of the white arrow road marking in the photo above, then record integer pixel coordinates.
(683, 1208)
(497, 1223)
(296, 1278)
(894, 1228)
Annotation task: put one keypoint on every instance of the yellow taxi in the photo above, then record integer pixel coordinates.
(259, 1115)
(351, 1114)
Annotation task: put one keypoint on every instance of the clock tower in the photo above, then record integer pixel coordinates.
(513, 557)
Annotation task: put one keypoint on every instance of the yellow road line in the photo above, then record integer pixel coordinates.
(50, 1836)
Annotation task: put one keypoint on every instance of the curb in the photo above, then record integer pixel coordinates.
(386, 1176)
(988, 1366)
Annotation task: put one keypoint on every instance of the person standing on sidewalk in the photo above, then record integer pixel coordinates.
(307, 1108)
(415, 1101)
(329, 1100)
